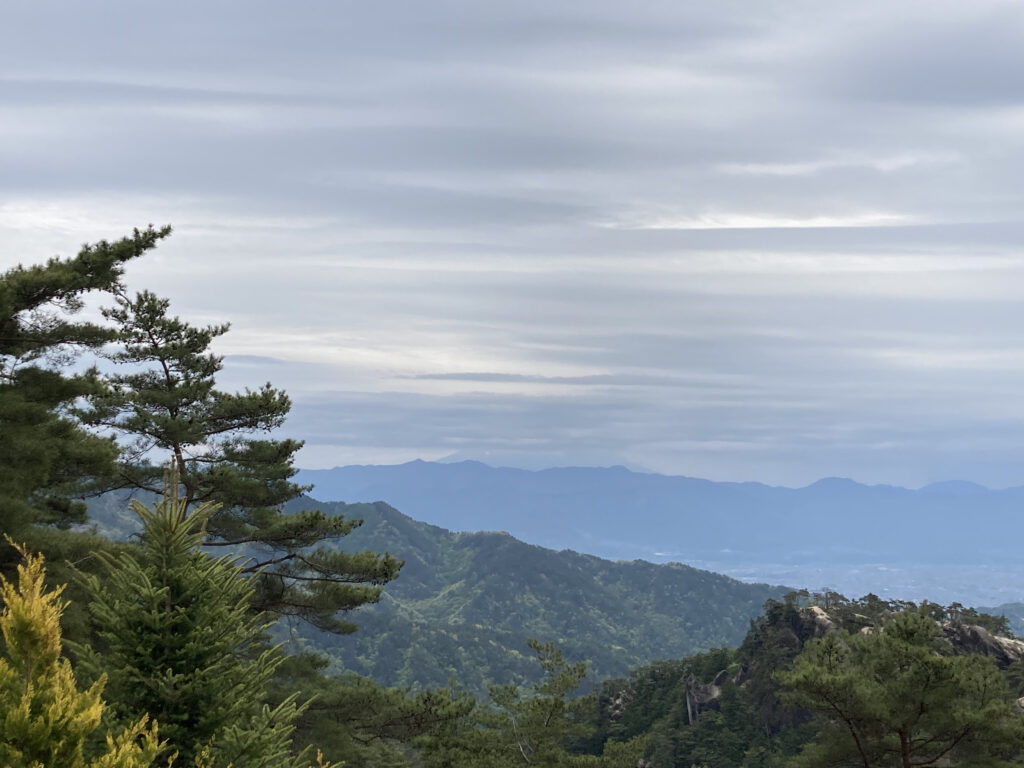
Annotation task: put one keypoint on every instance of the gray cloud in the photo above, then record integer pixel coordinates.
(747, 241)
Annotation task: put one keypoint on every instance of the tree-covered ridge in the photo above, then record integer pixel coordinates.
(808, 683)
(466, 604)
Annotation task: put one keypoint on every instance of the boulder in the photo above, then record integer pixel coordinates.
(970, 638)
(820, 621)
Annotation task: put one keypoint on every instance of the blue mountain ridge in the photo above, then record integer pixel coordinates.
(616, 513)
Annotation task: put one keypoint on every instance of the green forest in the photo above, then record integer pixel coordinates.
(223, 619)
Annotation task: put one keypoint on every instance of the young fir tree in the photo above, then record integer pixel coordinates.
(45, 455)
(167, 405)
(45, 720)
(180, 642)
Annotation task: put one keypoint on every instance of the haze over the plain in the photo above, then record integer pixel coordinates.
(746, 241)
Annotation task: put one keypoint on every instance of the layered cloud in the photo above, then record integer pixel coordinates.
(747, 241)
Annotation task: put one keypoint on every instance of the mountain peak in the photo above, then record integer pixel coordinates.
(955, 488)
(834, 484)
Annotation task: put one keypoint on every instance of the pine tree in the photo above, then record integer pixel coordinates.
(44, 453)
(179, 641)
(896, 697)
(45, 720)
(168, 406)
(532, 730)
(360, 722)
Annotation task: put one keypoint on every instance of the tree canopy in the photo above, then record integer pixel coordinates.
(164, 405)
(180, 642)
(897, 696)
(45, 453)
(45, 720)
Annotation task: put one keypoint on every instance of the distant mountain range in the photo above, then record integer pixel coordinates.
(466, 603)
(619, 514)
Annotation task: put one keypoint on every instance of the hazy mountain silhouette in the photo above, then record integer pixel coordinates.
(615, 513)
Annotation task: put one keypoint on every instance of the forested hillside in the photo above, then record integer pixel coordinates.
(820, 680)
(465, 604)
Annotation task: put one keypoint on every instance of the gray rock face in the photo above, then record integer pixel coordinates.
(821, 621)
(700, 697)
(970, 638)
(964, 638)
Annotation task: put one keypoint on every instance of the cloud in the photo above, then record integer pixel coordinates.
(728, 220)
(883, 164)
(751, 241)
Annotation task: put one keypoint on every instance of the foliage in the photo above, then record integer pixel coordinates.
(45, 720)
(867, 611)
(896, 696)
(653, 702)
(181, 643)
(466, 603)
(738, 716)
(166, 406)
(44, 453)
(533, 730)
(358, 722)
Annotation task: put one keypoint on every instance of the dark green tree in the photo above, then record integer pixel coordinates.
(166, 407)
(359, 722)
(178, 641)
(529, 730)
(897, 697)
(535, 728)
(44, 452)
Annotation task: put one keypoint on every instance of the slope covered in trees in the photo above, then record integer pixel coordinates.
(866, 683)
(466, 604)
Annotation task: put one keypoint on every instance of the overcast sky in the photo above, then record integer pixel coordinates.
(767, 241)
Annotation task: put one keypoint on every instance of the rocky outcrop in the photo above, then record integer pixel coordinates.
(701, 697)
(970, 638)
(821, 622)
(814, 621)
(963, 637)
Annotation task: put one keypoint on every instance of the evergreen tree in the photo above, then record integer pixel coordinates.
(896, 697)
(45, 454)
(359, 722)
(45, 720)
(180, 642)
(168, 406)
(534, 730)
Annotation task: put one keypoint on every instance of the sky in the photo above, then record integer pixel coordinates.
(769, 241)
